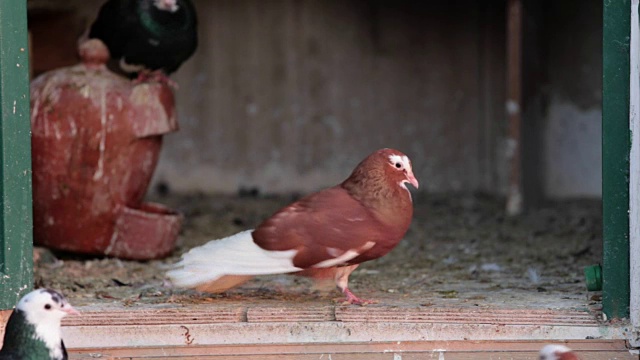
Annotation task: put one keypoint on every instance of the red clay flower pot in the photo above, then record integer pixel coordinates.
(96, 137)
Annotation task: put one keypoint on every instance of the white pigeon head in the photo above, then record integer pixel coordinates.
(166, 5)
(44, 309)
(44, 305)
(557, 352)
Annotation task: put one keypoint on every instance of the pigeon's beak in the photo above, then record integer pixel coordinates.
(412, 179)
(70, 310)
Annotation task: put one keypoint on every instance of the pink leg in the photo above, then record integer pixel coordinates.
(352, 299)
(342, 279)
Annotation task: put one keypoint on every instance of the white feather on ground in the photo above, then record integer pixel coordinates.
(556, 351)
(233, 255)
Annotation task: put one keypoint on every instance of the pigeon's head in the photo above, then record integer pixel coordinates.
(45, 306)
(557, 352)
(399, 168)
(166, 5)
(388, 168)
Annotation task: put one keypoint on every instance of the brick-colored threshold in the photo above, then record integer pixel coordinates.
(252, 324)
(449, 350)
(315, 331)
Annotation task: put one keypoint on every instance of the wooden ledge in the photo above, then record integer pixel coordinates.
(304, 331)
(224, 324)
(210, 314)
(588, 350)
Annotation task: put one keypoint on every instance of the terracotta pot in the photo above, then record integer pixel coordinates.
(96, 138)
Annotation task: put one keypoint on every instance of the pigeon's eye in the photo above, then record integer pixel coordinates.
(47, 306)
(398, 165)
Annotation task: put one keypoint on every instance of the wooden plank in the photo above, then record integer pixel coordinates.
(16, 238)
(141, 317)
(464, 316)
(319, 332)
(590, 349)
(345, 314)
(622, 355)
(634, 174)
(514, 105)
(279, 314)
(225, 325)
(615, 158)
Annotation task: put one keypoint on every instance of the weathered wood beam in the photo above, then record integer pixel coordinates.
(514, 106)
(16, 239)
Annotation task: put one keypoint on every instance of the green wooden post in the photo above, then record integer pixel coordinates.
(615, 157)
(16, 235)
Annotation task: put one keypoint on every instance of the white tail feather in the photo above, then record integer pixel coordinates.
(233, 255)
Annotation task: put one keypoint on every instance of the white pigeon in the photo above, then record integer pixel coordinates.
(33, 329)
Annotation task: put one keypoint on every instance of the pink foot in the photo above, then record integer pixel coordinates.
(155, 76)
(352, 299)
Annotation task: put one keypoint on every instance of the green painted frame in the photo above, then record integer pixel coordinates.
(16, 226)
(616, 145)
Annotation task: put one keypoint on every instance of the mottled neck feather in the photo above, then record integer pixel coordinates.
(369, 187)
(20, 339)
(391, 203)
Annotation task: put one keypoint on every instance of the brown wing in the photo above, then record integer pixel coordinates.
(321, 226)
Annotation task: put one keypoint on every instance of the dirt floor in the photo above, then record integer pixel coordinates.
(461, 250)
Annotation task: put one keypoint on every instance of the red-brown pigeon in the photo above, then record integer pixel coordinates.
(557, 352)
(327, 233)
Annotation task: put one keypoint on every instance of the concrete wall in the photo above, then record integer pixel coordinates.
(562, 96)
(573, 133)
(289, 95)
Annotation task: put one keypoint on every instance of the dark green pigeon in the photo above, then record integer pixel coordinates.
(33, 329)
(147, 38)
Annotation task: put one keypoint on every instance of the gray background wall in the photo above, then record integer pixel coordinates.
(573, 131)
(292, 94)
(289, 95)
